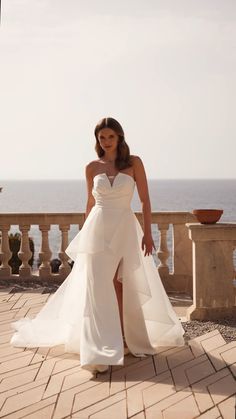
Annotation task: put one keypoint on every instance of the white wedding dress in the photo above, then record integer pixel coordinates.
(83, 314)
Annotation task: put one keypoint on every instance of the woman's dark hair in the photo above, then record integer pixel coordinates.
(123, 159)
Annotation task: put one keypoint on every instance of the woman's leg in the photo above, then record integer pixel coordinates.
(119, 295)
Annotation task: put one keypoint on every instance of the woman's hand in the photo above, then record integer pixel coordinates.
(148, 244)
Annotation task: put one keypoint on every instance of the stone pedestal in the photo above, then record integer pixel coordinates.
(214, 294)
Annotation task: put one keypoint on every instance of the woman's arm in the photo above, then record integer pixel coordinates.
(89, 182)
(142, 187)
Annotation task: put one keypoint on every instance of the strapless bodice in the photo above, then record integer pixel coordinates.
(110, 219)
(116, 195)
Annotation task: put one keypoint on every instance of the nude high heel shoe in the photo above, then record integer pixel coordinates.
(94, 368)
(126, 349)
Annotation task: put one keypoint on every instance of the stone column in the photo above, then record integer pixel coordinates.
(64, 268)
(214, 294)
(25, 253)
(163, 251)
(45, 253)
(5, 252)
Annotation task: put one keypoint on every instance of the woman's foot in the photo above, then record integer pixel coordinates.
(94, 368)
(126, 349)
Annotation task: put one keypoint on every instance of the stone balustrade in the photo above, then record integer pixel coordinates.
(179, 280)
(202, 256)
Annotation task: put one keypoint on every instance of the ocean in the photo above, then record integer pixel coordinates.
(27, 196)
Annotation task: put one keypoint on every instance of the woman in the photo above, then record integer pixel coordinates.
(113, 301)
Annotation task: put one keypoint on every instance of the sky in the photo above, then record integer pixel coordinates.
(165, 69)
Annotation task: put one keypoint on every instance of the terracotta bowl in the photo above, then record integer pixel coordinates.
(207, 216)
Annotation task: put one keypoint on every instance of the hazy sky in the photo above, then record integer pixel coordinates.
(165, 69)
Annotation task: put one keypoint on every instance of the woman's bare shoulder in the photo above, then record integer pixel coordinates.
(135, 159)
(90, 166)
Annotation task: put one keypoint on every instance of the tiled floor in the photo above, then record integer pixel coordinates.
(196, 380)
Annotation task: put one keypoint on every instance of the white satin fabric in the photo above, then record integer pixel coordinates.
(83, 313)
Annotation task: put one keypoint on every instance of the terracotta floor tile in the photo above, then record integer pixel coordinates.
(135, 393)
(229, 356)
(227, 408)
(100, 406)
(180, 357)
(46, 412)
(32, 409)
(119, 376)
(199, 371)
(160, 363)
(211, 414)
(7, 315)
(19, 371)
(115, 411)
(65, 402)
(17, 380)
(93, 395)
(196, 343)
(157, 392)
(117, 381)
(6, 350)
(16, 363)
(5, 307)
(74, 376)
(5, 337)
(223, 355)
(179, 372)
(24, 399)
(222, 389)
(154, 411)
(140, 415)
(186, 409)
(143, 372)
(212, 342)
(200, 389)
(233, 369)
(64, 364)
(205, 336)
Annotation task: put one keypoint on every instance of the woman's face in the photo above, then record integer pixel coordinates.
(108, 139)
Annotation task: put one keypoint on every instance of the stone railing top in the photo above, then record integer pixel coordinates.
(170, 217)
(217, 231)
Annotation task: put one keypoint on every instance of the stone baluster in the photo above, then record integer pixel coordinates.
(45, 254)
(162, 251)
(64, 268)
(5, 252)
(25, 253)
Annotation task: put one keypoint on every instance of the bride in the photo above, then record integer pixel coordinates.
(113, 301)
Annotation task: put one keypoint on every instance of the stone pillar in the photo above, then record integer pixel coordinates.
(5, 252)
(163, 251)
(25, 253)
(214, 294)
(64, 268)
(45, 253)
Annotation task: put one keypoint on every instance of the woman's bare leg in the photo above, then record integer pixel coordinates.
(119, 295)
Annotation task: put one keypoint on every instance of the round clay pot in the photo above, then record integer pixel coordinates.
(208, 216)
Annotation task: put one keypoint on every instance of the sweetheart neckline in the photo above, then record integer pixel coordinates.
(119, 173)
